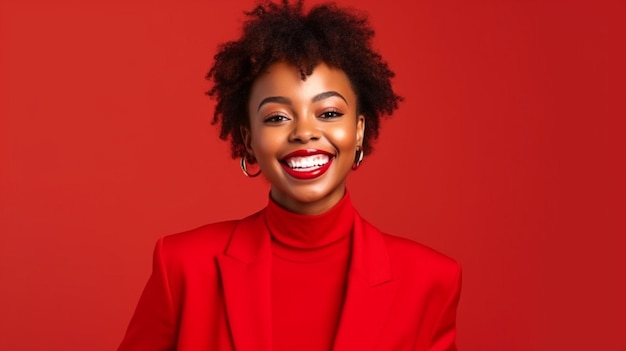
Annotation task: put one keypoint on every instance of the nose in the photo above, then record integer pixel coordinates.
(305, 129)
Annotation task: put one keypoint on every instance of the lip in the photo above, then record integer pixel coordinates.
(310, 174)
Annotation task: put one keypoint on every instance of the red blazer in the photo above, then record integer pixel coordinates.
(210, 290)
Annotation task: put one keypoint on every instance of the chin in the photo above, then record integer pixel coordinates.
(313, 195)
(307, 196)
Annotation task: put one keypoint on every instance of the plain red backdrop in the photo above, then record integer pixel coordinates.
(508, 154)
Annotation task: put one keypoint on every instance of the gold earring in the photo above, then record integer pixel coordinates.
(358, 158)
(244, 168)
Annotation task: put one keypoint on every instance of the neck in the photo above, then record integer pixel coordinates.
(313, 232)
(308, 205)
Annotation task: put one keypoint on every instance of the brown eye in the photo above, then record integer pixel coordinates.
(275, 119)
(330, 114)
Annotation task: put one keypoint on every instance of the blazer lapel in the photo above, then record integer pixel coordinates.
(370, 291)
(245, 273)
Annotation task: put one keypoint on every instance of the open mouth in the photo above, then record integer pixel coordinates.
(307, 164)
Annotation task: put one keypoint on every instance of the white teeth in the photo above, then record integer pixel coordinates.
(304, 163)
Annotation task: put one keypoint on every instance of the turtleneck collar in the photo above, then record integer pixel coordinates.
(297, 232)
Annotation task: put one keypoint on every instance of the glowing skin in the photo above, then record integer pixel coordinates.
(304, 135)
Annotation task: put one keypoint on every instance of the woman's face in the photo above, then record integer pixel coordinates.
(304, 134)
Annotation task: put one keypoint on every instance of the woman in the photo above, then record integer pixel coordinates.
(300, 95)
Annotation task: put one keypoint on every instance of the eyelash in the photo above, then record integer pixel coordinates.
(277, 118)
(331, 114)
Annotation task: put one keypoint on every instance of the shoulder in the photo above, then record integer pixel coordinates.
(205, 241)
(413, 252)
(418, 262)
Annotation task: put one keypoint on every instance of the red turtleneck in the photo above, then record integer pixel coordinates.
(310, 262)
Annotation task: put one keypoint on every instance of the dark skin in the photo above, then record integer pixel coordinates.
(289, 115)
(283, 32)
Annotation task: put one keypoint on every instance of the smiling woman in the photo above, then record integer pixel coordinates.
(301, 95)
(304, 134)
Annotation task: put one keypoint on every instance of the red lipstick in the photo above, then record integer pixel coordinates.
(303, 164)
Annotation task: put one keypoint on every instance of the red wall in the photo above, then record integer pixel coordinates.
(508, 154)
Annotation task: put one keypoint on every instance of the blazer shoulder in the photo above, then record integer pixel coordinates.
(412, 258)
(207, 240)
(417, 250)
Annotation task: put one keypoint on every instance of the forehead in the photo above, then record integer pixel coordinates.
(283, 79)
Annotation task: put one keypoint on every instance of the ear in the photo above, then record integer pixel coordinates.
(246, 136)
(360, 130)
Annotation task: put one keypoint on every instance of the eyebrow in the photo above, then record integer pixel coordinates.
(286, 101)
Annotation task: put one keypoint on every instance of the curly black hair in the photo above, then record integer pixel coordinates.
(275, 32)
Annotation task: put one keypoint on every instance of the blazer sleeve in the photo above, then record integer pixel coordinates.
(444, 334)
(153, 326)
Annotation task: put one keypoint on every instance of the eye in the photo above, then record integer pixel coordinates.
(330, 114)
(275, 118)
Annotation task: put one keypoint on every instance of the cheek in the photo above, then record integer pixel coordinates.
(263, 143)
(343, 137)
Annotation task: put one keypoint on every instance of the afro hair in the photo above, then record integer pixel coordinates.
(283, 32)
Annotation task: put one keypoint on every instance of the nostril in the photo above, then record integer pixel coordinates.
(304, 135)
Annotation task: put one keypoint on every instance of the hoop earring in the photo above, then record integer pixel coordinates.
(244, 168)
(358, 158)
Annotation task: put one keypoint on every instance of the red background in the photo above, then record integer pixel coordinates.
(508, 155)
